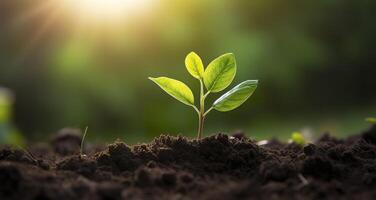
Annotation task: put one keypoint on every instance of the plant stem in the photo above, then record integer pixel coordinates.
(207, 112)
(201, 126)
(82, 142)
(196, 109)
(201, 115)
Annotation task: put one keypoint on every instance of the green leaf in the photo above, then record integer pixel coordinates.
(194, 65)
(220, 73)
(176, 89)
(236, 96)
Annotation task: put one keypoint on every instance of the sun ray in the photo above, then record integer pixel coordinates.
(30, 14)
(37, 35)
(106, 11)
(87, 19)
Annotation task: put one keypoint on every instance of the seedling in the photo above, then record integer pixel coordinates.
(298, 138)
(82, 143)
(217, 76)
(371, 120)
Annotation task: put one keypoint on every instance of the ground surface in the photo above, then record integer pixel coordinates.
(216, 167)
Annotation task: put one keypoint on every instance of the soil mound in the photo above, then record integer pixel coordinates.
(215, 167)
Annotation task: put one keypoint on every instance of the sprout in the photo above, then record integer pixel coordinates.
(82, 143)
(217, 76)
(298, 138)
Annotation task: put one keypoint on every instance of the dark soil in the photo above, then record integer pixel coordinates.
(216, 167)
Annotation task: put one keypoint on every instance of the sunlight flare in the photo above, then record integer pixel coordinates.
(107, 9)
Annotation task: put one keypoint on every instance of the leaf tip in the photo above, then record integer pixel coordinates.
(229, 54)
(190, 54)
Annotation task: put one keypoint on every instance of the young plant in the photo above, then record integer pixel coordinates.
(82, 143)
(217, 76)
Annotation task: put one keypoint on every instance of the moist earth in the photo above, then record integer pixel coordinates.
(215, 167)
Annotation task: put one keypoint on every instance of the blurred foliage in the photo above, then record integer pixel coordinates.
(8, 134)
(371, 120)
(5, 105)
(313, 58)
(298, 138)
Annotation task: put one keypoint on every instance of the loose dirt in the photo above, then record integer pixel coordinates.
(215, 167)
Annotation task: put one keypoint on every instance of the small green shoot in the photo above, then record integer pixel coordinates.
(82, 143)
(298, 138)
(217, 76)
(371, 120)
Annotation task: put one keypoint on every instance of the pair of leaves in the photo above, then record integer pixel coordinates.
(219, 73)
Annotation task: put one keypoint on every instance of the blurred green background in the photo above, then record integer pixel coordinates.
(86, 63)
